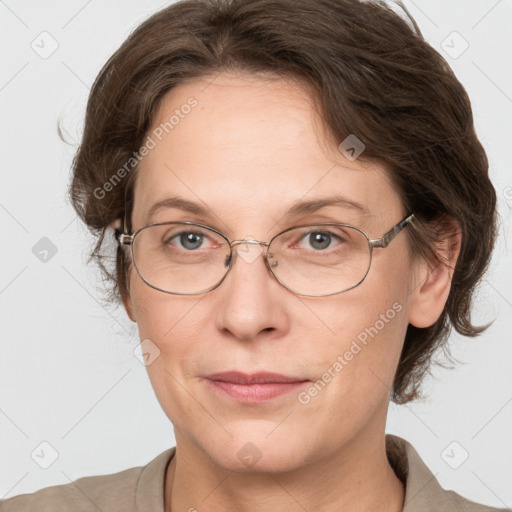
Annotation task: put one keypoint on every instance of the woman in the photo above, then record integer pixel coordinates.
(298, 229)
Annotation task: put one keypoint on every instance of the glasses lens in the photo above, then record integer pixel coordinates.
(320, 260)
(309, 260)
(180, 258)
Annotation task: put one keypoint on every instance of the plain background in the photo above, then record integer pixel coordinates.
(68, 375)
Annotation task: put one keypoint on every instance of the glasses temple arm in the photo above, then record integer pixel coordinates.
(386, 239)
(122, 236)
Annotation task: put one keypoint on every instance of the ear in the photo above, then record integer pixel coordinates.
(434, 278)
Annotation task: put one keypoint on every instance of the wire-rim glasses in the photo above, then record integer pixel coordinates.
(173, 268)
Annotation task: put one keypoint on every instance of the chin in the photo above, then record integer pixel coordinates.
(256, 451)
(250, 458)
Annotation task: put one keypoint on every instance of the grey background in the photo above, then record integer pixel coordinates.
(68, 375)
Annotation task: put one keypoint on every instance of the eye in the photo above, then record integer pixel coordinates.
(319, 240)
(189, 240)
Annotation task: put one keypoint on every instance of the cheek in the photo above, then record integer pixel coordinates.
(373, 310)
(170, 323)
(364, 331)
(169, 329)
(365, 343)
(160, 315)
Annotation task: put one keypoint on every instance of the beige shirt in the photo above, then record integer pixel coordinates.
(141, 489)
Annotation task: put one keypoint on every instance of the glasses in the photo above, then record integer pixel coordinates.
(187, 258)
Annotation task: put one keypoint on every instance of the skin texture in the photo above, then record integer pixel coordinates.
(248, 151)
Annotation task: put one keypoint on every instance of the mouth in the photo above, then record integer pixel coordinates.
(253, 388)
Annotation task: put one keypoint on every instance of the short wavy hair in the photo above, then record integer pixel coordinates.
(370, 74)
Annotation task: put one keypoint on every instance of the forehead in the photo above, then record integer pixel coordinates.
(251, 147)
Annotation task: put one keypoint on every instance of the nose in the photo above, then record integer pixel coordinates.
(250, 298)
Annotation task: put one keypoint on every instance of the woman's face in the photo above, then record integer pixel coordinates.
(247, 152)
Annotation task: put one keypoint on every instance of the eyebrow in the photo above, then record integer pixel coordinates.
(299, 208)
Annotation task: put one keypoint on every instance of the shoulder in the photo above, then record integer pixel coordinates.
(422, 490)
(453, 502)
(87, 493)
(121, 491)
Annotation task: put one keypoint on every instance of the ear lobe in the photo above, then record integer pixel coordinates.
(434, 279)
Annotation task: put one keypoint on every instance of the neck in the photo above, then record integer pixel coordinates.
(355, 478)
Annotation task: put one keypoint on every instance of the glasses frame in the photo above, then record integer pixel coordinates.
(125, 239)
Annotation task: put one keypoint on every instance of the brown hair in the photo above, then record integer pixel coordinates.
(371, 74)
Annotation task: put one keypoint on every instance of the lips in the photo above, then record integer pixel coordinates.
(254, 378)
(253, 388)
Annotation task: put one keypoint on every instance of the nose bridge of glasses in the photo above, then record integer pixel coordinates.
(245, 252)
(235, 243)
